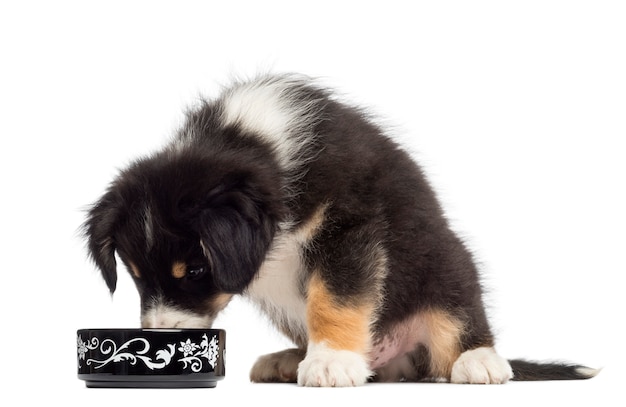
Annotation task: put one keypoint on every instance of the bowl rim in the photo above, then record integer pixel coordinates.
(154, 330)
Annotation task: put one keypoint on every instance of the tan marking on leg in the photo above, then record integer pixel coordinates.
(340, 327)
(179, 269)
(443, 340)
(134, 269)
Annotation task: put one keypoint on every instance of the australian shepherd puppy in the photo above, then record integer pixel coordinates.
(280, 192)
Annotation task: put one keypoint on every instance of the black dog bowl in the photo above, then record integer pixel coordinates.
(151, 357)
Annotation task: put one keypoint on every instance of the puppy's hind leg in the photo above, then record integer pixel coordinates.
(279, 367)
(479, 363)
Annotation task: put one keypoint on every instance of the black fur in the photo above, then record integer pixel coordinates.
(219, 195)
(524, 370)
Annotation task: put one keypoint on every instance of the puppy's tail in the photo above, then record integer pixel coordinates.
(524, 370)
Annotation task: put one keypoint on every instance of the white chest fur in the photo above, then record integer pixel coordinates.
(278, 289)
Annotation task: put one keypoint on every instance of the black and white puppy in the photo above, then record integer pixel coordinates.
(279, 192)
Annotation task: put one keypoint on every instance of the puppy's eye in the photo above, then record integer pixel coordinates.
(196, 272)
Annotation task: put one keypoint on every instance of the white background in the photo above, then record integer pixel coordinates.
(516, 111)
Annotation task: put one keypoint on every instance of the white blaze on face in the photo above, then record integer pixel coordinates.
(148, 223)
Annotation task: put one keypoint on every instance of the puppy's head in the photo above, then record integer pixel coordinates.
(191, 230)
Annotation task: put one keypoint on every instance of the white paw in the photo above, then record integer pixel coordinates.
(326, 367)
(481, 366)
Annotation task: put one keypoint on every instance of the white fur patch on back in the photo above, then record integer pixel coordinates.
(274, 110)
(481, 366)
(326, 367)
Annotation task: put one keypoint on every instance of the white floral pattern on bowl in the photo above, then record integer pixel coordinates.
(189, 353)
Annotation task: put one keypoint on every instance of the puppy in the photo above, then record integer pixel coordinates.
(279, 192)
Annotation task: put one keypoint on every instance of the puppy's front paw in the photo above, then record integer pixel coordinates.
(326, 367)
(277, 367)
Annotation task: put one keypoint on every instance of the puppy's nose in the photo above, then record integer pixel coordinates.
(156, 324)
(153, 320)
(160, 315)
(156, 313)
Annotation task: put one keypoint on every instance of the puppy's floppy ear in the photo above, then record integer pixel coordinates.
(236, 230)
(98, 229)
